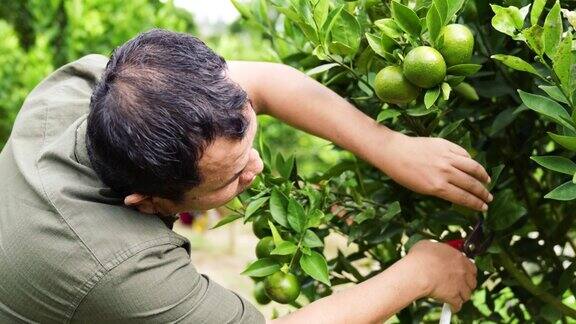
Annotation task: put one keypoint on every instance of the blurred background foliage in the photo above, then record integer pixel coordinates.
(39, 36)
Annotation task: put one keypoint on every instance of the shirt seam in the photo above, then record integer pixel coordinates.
(48, 197)
(91, 283)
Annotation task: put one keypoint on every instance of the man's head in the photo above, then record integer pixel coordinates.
(168, 129)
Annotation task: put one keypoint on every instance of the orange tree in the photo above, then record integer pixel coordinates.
(497, 78)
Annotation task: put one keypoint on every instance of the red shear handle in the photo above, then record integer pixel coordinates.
(457, 244)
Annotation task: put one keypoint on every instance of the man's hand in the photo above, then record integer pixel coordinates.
(426, 165)
(430, 269)
(449, 276)
(434, 166)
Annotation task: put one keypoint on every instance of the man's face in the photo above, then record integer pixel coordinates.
(227, 168)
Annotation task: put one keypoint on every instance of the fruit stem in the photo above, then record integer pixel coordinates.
(353, 72)
(297, 250)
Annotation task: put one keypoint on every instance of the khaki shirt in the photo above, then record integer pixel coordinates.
(69, 250)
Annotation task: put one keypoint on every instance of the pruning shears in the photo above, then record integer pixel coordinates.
(475, 243)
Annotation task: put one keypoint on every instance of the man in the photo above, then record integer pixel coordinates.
(103, 152)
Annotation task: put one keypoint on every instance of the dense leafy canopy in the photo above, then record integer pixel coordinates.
(511, 107)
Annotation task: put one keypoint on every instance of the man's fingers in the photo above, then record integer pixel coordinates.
(471, 281)
(472, 167)
(465, 295)
(472, 185)
(460, 151)
(456, 304)
(462, 197)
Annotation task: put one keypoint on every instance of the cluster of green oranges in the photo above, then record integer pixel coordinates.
(425, 67)
(281, 287)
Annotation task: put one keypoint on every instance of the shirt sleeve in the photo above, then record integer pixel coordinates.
(160, 285)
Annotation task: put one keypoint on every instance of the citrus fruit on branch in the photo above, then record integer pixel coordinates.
(457, 44)
(282, 287)
(392, 87)
(260, 293)
(264, 247)
(425, 67)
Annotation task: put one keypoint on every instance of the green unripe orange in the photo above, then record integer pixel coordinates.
(392, 87)
(424, 67)
(260, 227)
(457, 44)
(282, 287)
(260, 293)
(264, 247)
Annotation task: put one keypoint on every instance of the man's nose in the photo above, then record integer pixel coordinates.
(258, 164)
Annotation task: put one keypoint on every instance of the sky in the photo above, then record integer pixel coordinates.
(209, 12)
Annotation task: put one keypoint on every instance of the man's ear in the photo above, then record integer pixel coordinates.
(143, 203)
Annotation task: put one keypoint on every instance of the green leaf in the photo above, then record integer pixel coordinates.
(552, 30)
(381, 45)
(278, 205)
(312, 240)
(315, 218)
(226, 220)
(330, 22)
(516, 63)
(261, 268)
(289, 13)
(556, 163)
(387, 114)
(563, 63)
(484, 263)
(315, 265)
(275, 234)
(568, 142)
(389, 27)
(546, 107)
(345, 33)
(367, 214)
(263, 11)
(463, 69)
(242, 9)
(453, 7)
(296, 216)
(495, 173)
(441, 7)
(284, 166)
(406, 19)
(537, 8)
(254, 206)
(564, 192)
(431, 96)
(284, 248)
(450, 128)
(455, 80)
(507, 20)
(504, 210)
(555, 93)
(434, 23)
(533, 36)
(320, 9)
(466, 91)
(392, 210)
(446, 90)
(321, 68)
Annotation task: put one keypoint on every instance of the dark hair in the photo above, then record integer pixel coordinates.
(163, 97)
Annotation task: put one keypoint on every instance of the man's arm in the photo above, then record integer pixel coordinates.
(426, 165)
(430, 270)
